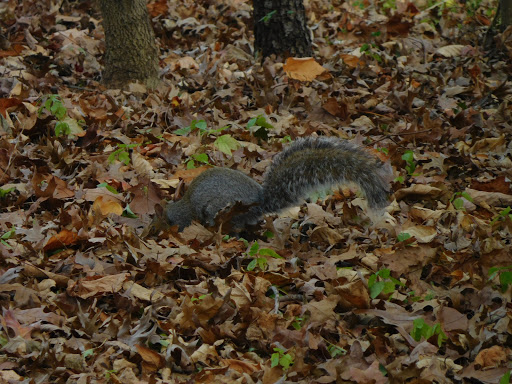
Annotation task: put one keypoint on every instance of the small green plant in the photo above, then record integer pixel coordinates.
(226, 144)
(359, 4)
(505, 379)
(389, 4)
(457, 200)
(109, 373)
(280, 357)
(195, 124)
(109, 188)
(403, 236)
(122, 153)
(335, 351)
(410, 165)
(65, 125)
(268, 16)
(421, 329)
(199, 158)
(503, 215)
(259, 254)
(369, 50)
(5, 192)
(87, 353)
(298, 322)
(382, 282)
(127, 212)
(259, 126)
(505, 276)
(7, 235)
(202, 297)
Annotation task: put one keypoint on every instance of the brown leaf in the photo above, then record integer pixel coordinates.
(97, 285)
(149, 356)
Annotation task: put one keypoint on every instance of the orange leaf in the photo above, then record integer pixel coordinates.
(105, 206)
(61, 239)
(303, 69)
(352, 61)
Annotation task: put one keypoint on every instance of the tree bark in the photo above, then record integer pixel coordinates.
(280, 28)
(131, 53)
(502, 20)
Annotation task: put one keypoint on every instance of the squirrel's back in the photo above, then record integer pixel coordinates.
(311, 163)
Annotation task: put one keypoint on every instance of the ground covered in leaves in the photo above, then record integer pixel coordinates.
(318, 294)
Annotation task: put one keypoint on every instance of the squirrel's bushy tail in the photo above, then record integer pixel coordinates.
(311, 163)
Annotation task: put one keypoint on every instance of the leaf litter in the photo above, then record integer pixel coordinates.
(86, 299)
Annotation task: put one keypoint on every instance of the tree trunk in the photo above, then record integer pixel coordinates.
(280, 27)
(131, 53)
(502, 20)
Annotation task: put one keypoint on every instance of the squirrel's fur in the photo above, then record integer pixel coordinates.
(306, 165)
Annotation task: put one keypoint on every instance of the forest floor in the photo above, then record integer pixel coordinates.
(318, 294)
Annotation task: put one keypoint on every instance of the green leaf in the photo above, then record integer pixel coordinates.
(286, 361)
(262, 122)
(254, 249)
(458, 203)
(505, 379)
(226, 144)
(252, 265)
(262, 263)
(270, 252)
(251, 122)
(408, 156)
(124, 157)
(5, 192)
(389, 287)
(376, 289)
(129, 213)
(469, 198)
(201, 157)
(274, 360)
(62, 129)
(183, 131)
(201, 125)
(87, 353)
(403, 236)
(505, 280)
(384, 273)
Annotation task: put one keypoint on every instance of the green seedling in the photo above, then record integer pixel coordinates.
(198, 158)
(5, 192)
(7, 235)
(335, 351)
(383, 282)
(108, 187)
(65, 125)
(259, 254)
(195, 124)
(280, 357)
(122, 153)
(503, 215)
(505, 276)
(259, 126)
(403, 236)
(226, 144)
(410, 166)
(268, 16)
(505, 379)
(422, 329)
(457, 200)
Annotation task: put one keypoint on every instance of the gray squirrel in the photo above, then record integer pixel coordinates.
(303, 167)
